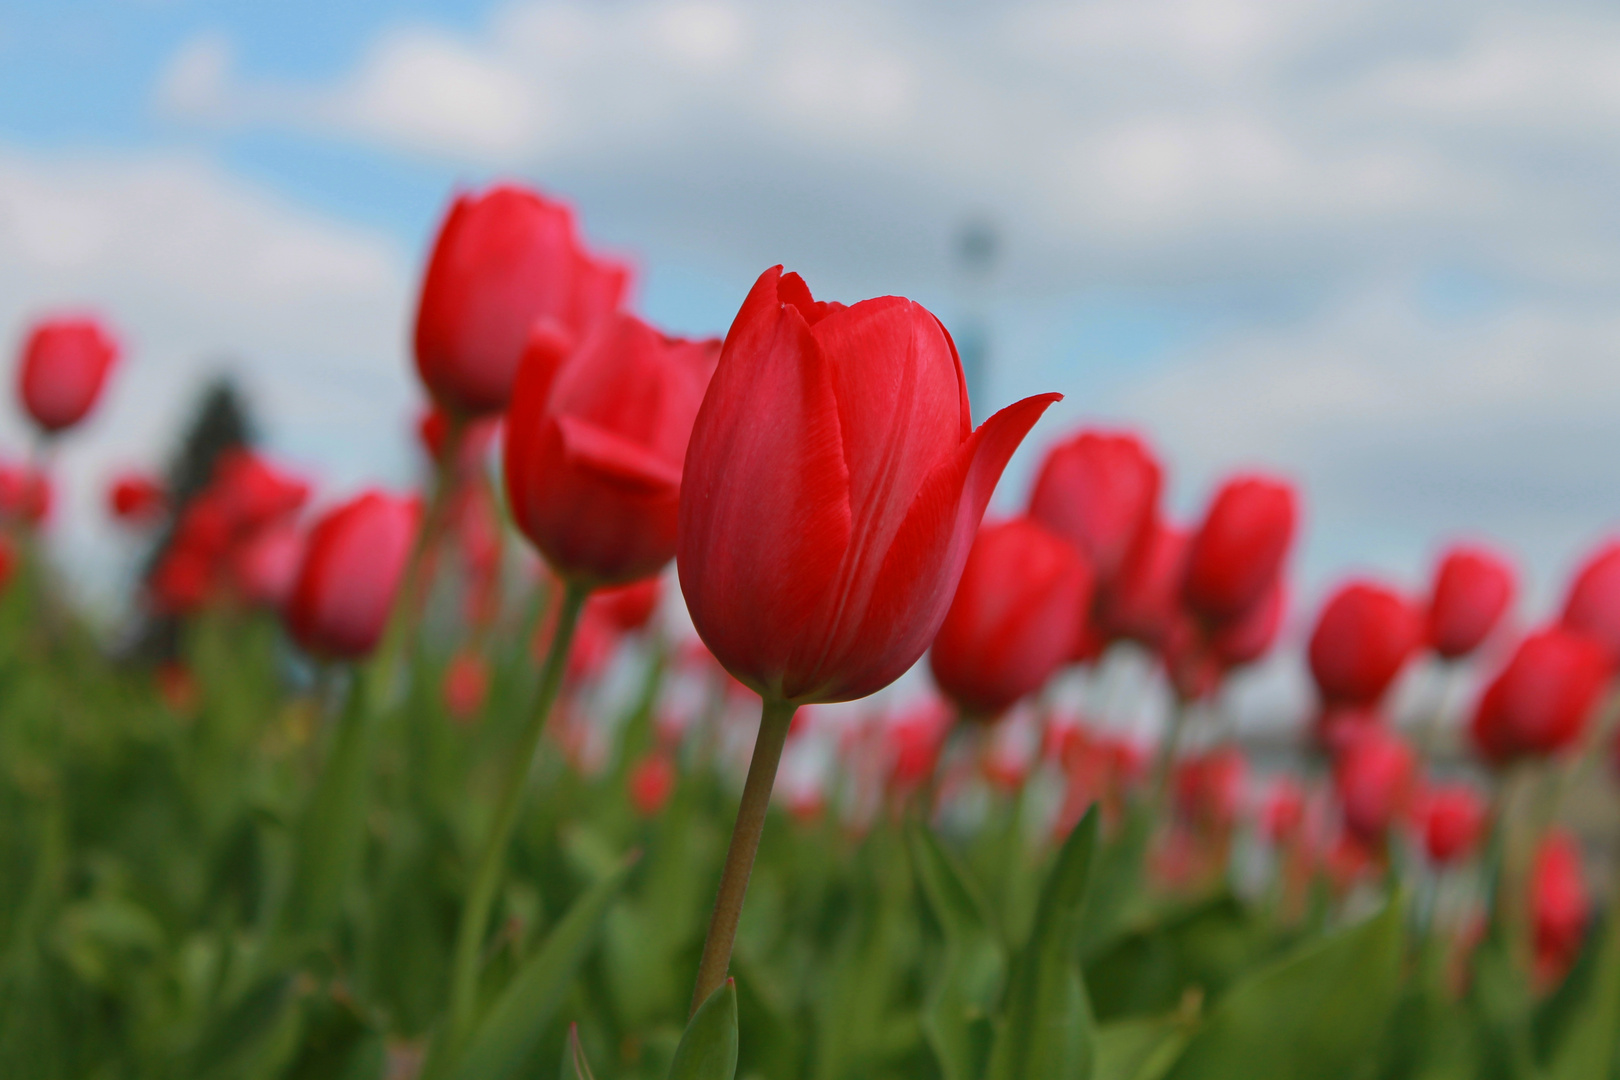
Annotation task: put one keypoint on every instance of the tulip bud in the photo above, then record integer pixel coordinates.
(252, 492)
(25, 494)
(353, 564)
(1284, 812)
(1540, 702)
(833, 487)
(595, 441)
(651, 782)
(265, 564)
(1248, 638)
(466, 684)
(1560, 905)
(1593, 606)
(1238, 551)
(629, 608)
(64, 365)
(1375, 778)
(136, 499)
(502, 261)
(1453, 820)
(1013, 622)
(1145, 602)
(1338, 726)
(1363, 638)
(1209, 788)
(1100, 492)
(914, 741)
(1472, 591)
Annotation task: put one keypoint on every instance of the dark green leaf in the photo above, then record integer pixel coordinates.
(708, 1049)
(1142, 1048)
(1588, 1046)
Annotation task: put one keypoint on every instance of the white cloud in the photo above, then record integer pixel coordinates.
(201, 273)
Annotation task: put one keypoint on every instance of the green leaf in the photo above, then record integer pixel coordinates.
(1046, 1029)
(1315, 1015)
(506, 1036)
(1141, 1048)
(574, 1066)
(1116, 882)
(708, 1049)
(1588, 1047)
(965, 988)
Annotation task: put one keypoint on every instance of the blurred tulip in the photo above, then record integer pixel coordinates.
(264, 566)
(1473, 588)
(1145, 602)
(1593, 605)
(1453, 819)
(1540, 702)
(595, 441)
(1208, 788)
(466, 684)
(1018, 608)
(433, 429)
(629, 608)
(915, 739)
(136, 499)
(1238, 551)
(1374, 779)
(8, 560)
(652, 782)
(1243, 641)
(1363, 638)
(64, 365)
(1284, 813)
(503, 260)
(252, 492)
(1099, 491)
(25, 494)
(1560, 905)
(353, 564)
(1337, 726)
(181, 582)
(833, 488)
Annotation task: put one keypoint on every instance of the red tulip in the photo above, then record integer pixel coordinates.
(833, 487)
(1472, 590)
(1209, 787)
(466, 684)
(25, 494)
(252, 492)
(353, 563)
(1017, 611)
(1338, 726)
(1453, 820)
(629, 608)
(915, 739)
(652, 782)
(265, 564)
(433, 428)
(1284, 812)
(1375, 778)
(136, 499)
(1540, 702)
(1593, 606)
(1238, 551)
(595, 441)
(1100, 491)
(8, 560)
(502, 261)
(1363, 638)
(1247, 639)
(1144, 604)
(1560, 905)
(182, 581)
(64, 365)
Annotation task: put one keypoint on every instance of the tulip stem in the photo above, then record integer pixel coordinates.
(491, 858)
(775, 720)
(1164, 757)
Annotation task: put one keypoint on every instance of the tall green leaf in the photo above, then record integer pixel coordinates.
(1046, 1028)
(1587, 1049)
(1315, 1015)
(708, 1049)
(1141, 1048)
(957, 1016)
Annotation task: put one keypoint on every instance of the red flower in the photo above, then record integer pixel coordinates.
(1246, 639)
(1540, 702)
(1472, 590)
(503, 260)
(353, 563)
(833, 487)
(629, 608)
(915, 739)
(1363, 638)
(1593, 606)
(1338, 726)
(1284, 811)
(466, 684)
(265, 564)
(595, 440)
(1560, 905)
(182, 581)
(1453, 820)
(1100, 491)
(651, 782)
(136, 499)
(433, 428)
(64, 365)
(1209, 787)
(252, 492)
(1017, 612)
(1238, 551)
(1375, 779)
(1145, 602)
(25, 494)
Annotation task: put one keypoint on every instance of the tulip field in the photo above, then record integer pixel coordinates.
(567, 763)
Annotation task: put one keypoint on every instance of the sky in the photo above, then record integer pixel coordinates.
(1372, 247)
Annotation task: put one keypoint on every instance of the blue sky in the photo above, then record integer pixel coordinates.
(1372, 249)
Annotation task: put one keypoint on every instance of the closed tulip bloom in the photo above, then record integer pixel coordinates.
(1472, 590)
(1100, 491)
(1338, 726)
(1593, 605)
(354, 560)
(1540, 702)
(64, 365)
(1375, 778)
(1453, 821)
(1363, 638)
(136, 499)
(1145, 603)
(1248, 638)
(1284, 812)
(651, 783)
(502, 261)
(833, 487)
(25, 494)
(265, 564)
(629, 608)
(465, 686)
(1208, 788)
(1560, 904)
(595, 441)
(254, 492)
(1239, 549)
(1023, 593)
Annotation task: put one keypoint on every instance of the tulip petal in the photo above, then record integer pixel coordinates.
(615, 458)
(924, 563)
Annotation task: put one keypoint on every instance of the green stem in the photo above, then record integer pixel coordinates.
(491, 858)
(775, 720)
